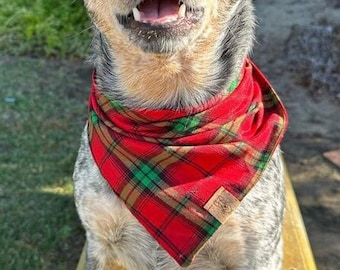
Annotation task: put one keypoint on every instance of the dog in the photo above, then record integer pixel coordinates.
(172, 56)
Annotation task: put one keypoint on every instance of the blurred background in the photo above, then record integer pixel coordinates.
(44, 84)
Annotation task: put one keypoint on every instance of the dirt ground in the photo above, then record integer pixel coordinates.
(298, 48)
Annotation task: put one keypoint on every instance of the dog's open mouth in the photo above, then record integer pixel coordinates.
(161, 14)
(161, 26)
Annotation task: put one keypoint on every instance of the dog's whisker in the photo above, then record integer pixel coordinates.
(82, 31)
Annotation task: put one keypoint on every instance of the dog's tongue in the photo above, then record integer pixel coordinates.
(159, 10)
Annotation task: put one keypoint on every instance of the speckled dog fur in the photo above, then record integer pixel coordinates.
(177, 71)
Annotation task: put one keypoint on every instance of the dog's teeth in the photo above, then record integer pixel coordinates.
(182, 10)
(136, 14)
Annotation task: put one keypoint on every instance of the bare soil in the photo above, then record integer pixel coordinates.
(298, 48)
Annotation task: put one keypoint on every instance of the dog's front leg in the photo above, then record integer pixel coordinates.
(92, 262)
(95, 205)
(95, 261)
(115, 240)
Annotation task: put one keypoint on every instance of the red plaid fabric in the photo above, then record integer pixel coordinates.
(182, 175)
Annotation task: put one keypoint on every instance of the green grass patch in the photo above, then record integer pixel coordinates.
(42, 113)
(44, 27)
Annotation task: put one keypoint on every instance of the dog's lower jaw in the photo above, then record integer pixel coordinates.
(185, 79)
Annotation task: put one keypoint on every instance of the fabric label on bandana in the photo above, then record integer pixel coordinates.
(222, 204)
(182, 175)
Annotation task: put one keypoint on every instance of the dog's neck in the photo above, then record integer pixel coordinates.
(185, 79)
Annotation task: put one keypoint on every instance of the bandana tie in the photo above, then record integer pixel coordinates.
(182, 175)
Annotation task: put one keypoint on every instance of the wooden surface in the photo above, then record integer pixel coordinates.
(297, 251)
(82, 261)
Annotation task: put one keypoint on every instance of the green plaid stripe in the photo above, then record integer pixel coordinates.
(186, 125)
(147, 174)
(233, 86)
(94, 118)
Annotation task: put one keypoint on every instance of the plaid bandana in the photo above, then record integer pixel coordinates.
(182, 175)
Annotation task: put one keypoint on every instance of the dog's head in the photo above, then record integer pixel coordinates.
(182, 52)
(161, 26)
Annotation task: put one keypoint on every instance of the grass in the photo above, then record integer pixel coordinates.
(44, 28)
(42, 113)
